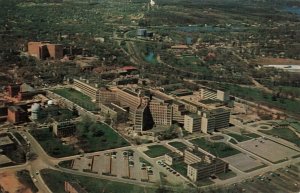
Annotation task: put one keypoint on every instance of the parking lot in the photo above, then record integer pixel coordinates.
(122, 164)
(283, 180)
(243, 162)
(268, 149)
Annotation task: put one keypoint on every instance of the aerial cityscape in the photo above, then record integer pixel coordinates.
(149, 96)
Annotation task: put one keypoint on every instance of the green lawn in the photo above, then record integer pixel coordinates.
(52, 145)
(92, 137)
(238, 137)
(55, 181)
(252, 135)
(66, 164)
(227, 175)
(283, 133)
(218, 149)
(296, 126)
(232, 141)
(98, 136)
(76, 97)
(180, 167)
(156, 151)
(177, 144)
(257, 95)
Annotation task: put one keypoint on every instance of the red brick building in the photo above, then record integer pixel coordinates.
(13, 90)
(16, 114)
(43, 50)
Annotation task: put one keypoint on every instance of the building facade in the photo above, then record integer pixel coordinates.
(43, 50)
(16, 114)
(204, 169)
(192, 122)
(84, 87)
(64, 128)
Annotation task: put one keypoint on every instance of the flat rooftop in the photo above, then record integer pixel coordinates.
(5, 140)
(174, 154)
(130, 92)
(203, 164)
(196, 152)
(217, 111)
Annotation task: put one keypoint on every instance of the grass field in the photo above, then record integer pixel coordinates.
(76, 97)
(283, 133)
(156, 151)
(227, 175)
(238, 137)
(177, 144)
(252, 135)
(296, 126)
(55, 181)
(66, 164)
(257, 95)
(218, 149)
(98, 136)
(53, 146)
(232, 141)
(180, 167)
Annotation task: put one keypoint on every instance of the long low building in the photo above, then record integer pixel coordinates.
(87, 89)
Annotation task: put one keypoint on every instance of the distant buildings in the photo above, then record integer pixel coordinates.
(214, 95)
(44, 50)
(22, 91)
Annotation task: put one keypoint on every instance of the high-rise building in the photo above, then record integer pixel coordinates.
(215, 119)
(192, 122)
(201, 165)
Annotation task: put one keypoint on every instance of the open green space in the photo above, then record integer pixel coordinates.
(262, 97)
(52, 145)
(252, 135)
(264, 127)
(180, 167)
(66, 164)
(296, 126)
(219, 149)
(98, 136)
(227, 175)
(156, 151)
(238, 137)
(55, 181)
(91, 137)
(177, 144)
(233, 141)
(76, 97)
(142, 160)
(283, 133)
